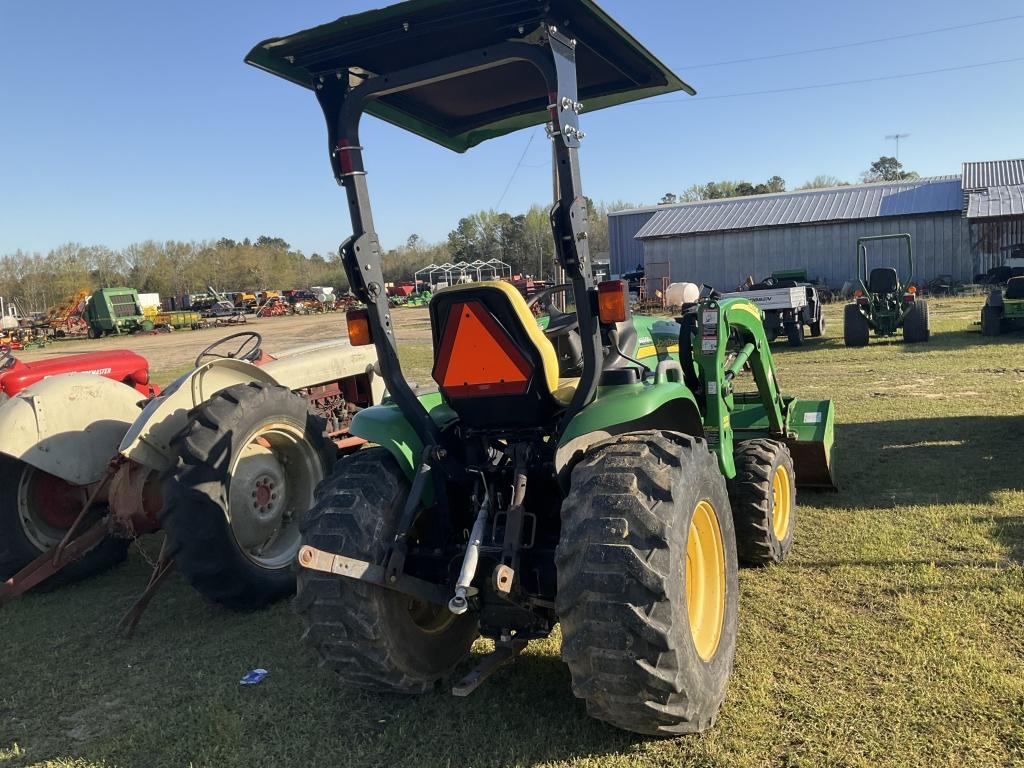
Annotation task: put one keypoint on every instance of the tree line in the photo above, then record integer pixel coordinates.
(172, 268)
(884, 169)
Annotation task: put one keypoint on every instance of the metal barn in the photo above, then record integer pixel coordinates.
(994, 208)
(722, 242)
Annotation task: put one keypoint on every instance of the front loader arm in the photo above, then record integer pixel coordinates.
(719, 322)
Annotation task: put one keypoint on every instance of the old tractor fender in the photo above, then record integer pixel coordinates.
(321, 363)
(68, 426)
(385, 425)
(616, 410)
(148, 441)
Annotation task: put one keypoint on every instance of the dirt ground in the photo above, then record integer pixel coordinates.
(168, 351)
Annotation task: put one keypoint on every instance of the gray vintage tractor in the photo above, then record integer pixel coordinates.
(224, 460)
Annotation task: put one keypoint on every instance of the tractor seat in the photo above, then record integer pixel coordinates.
(1015, 288)
(492, 362)
(883, 280)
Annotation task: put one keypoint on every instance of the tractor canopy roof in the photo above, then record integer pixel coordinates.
(480, 103)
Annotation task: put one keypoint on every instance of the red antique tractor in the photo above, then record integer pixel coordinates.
(119, 365)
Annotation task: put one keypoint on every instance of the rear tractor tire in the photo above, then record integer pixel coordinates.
(248, 466)
(372, 637)
(856, 329)
(36, 511)
(991, 321)
(763, 498)
(647, 583)
(916, 325)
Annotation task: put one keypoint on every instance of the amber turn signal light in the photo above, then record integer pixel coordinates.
(358, 321)
(912, 289)
(611, 301)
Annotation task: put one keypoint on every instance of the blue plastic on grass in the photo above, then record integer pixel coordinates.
(253, 677)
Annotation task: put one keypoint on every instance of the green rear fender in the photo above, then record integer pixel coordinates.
(387, 426)
(630, 408)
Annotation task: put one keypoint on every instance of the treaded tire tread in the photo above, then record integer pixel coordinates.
(991, 321)
(621, 590)
(916, 325)
(856, 330)
(360, 630)
(198, 534)
(17, 551)
(750, 494)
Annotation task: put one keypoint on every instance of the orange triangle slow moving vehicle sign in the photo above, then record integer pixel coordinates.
(477, 357)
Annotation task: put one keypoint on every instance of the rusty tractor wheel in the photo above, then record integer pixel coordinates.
(36, 510)
(248, 465)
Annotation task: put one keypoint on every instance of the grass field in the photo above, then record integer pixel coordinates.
(892, 636)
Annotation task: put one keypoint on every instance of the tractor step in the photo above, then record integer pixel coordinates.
(503, 653)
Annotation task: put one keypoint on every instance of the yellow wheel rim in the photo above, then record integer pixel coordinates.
(782, 502)
(705, 580)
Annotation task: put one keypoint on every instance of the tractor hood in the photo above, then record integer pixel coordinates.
(482, 103)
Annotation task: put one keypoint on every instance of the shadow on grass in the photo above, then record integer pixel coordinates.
(959, 459)
(1010, 533)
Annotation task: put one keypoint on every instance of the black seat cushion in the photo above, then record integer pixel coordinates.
(883, 280)
(1015, 288)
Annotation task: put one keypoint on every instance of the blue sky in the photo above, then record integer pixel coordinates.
(121, 121)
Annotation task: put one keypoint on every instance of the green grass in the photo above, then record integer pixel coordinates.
(892, 636)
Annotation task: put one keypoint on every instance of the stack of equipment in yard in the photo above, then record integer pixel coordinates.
(1004, 311)
(224, 461)
(178, 320)
(885, 302)
(552, 478)
(67, 319)
(115, 311)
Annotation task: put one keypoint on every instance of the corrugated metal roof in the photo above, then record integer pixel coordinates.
(994, 173)
(996, 201)
(863, 201)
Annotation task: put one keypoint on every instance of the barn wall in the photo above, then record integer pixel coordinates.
(942, 246)
(626, 252)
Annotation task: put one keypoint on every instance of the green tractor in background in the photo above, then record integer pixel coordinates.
(885, 302)
(554, 477)
(1004, 311)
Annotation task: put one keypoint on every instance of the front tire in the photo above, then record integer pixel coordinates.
(855, 327)
(248, 466)
(647, 583)
(763, 498)
(36, 511)
(372, 637)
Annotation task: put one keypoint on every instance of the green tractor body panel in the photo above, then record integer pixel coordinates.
(387, 426)
(628, 408)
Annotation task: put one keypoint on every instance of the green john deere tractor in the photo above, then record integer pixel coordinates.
(553, 477)
(1004, 311)
(885, 302)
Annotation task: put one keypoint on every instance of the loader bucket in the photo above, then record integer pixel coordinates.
(810, 434)
(813, 422)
